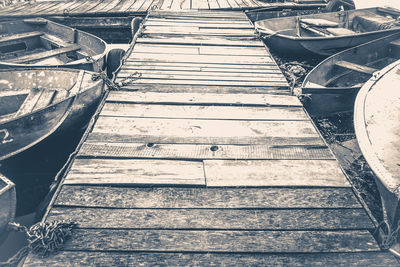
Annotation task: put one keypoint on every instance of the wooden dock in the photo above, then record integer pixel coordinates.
(208, 160)
(86, 8)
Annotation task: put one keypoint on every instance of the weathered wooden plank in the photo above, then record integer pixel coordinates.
(45, 98)
(212, 23)
(45, 54)
(215, 219)
(238, 60)
(321, 173)
(250, 42)
(205, 66)
(29, 102)
(221, 241)
(206, 75)
(150, 130)
(193, 31)
(212, 89)
(123, 171)
(201, 152)
(355, 67)
(210, 197)
(204, 99)
(204, 112)
(198, 76)
(19, 37)
(194, 81)
(157, 49)
(76, 258)
(203, 24)
(204, 50)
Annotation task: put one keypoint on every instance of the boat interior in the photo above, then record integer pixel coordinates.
(335, 23)
(354, 67)
(40, 42)
(27, 96)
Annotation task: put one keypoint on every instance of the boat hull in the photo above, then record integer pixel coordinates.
(30, 129)
(8, 203)
(376, 113)
(327, 98)
(92, 58)
(281, 34)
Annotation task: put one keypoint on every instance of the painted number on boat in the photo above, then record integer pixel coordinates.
(5, 136)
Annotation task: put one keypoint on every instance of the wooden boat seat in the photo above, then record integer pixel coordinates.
(45, 54)
(355, 67)
(340, 31)
(36, 99)
(18, 37)
(319, 22)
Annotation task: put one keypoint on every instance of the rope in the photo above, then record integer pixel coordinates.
(389, 237)
(116, 86)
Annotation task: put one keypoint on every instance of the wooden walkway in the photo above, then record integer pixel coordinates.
(208, 160)
(87, 8)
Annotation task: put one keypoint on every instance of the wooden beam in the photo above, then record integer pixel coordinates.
(45, 54)
(207, 197)
(355, 67)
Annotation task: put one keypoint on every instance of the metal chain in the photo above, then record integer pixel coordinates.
(45, 238)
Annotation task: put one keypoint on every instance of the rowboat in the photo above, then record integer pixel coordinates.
(377, 128)
(8, 203)
(42, 43)
(333, 84)
(325, 34)
(36, 103)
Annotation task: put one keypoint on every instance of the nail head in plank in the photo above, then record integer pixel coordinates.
(122, 171)
(89, 258)
(215, 219)
(221, 241)
(203, 99)
(204, 131)
(321, 173)
(207, 197)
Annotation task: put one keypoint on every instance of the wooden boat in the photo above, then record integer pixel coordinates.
(377, 128)
(35, 103)
(325, 34)
(333, 84)
(8, 203)
(42, 43)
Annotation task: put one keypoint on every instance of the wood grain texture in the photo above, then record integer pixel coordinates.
(201, 152)
(204, 112)
(221, 59)
(322, 173)
(221, 241)
(121, 129)
(214, 99)
(214, 89)
(249, 42)
(207, 198)
(122, 171)
(215, 219)
(74, 258)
